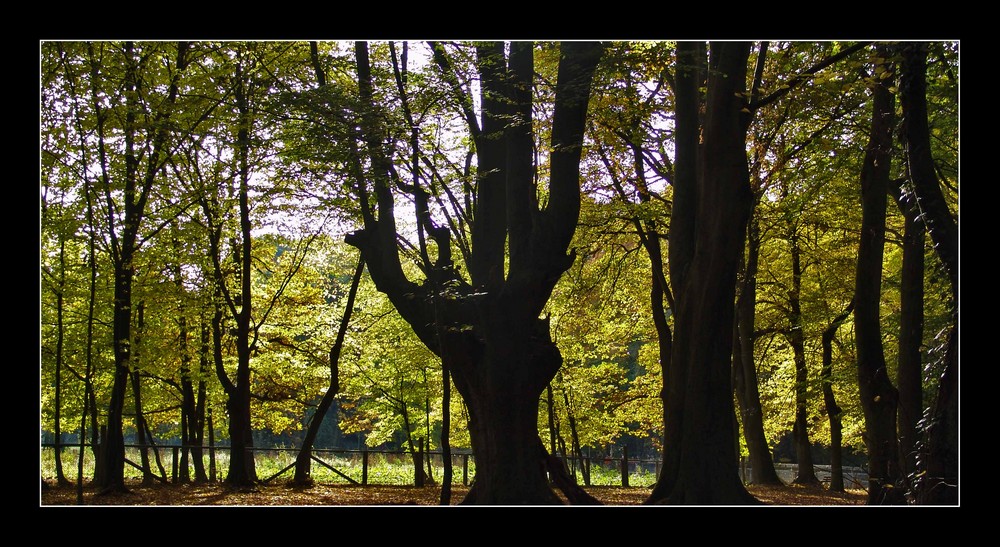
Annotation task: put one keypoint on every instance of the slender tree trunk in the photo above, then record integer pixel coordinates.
(806, 473)
(575, 440)
(124, 235)
(242, 470)
(57, 429)
(878, 396)
(198, 426)
(303, 460)
(909, 368)
(940, 485)
(833, 411)
(745, 369)
(88, 388)
(188, 419)
(427, 431)
(446, 476)
(550, 400)
(420, 475)
(140, 425)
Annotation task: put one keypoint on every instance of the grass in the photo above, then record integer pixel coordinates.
(383, 468)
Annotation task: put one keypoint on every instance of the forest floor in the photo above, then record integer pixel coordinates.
(281, 494)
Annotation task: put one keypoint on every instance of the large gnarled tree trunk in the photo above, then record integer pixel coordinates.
(495, 345)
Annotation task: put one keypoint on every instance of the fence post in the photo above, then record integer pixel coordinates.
(173, 475)
(364, 466)
(465, 469)
(211, 447)
(625, 466)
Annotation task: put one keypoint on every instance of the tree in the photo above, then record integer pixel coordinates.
(636, 124)
(745, 378)
(878, 396)
(830, 400)
(941, 429)
(909, 369)
(131, 170)
(707, 231)
(497, 348)
(304, 458)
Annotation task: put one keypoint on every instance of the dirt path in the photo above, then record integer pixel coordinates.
(328, 494)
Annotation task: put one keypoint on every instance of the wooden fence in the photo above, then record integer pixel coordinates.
(583, 467)
(169, 456)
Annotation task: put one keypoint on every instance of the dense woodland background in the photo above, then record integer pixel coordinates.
(203, 205)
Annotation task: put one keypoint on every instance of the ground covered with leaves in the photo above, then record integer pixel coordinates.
(278, 494)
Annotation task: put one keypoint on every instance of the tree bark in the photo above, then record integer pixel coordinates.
(711, 210)
(574, 439)
(878, 396)
(940, 485)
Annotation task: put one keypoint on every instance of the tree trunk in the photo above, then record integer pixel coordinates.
(833, 411)
(446, 476)
(124, 236)
(188, 418)
(419, 475)
(503, 400)
(303, 462)
(745, 369)
(878, 396)
(89, 402)
(198, 427)
(707, 233)
(241, 473)
(574, 437)
(187, 387)
(806, 474)
(112, 460)
(57, 428)
(940, 484)
(242, 470)
(909, 368)
(140, 420)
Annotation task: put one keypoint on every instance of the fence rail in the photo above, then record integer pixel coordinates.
(364, 467)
